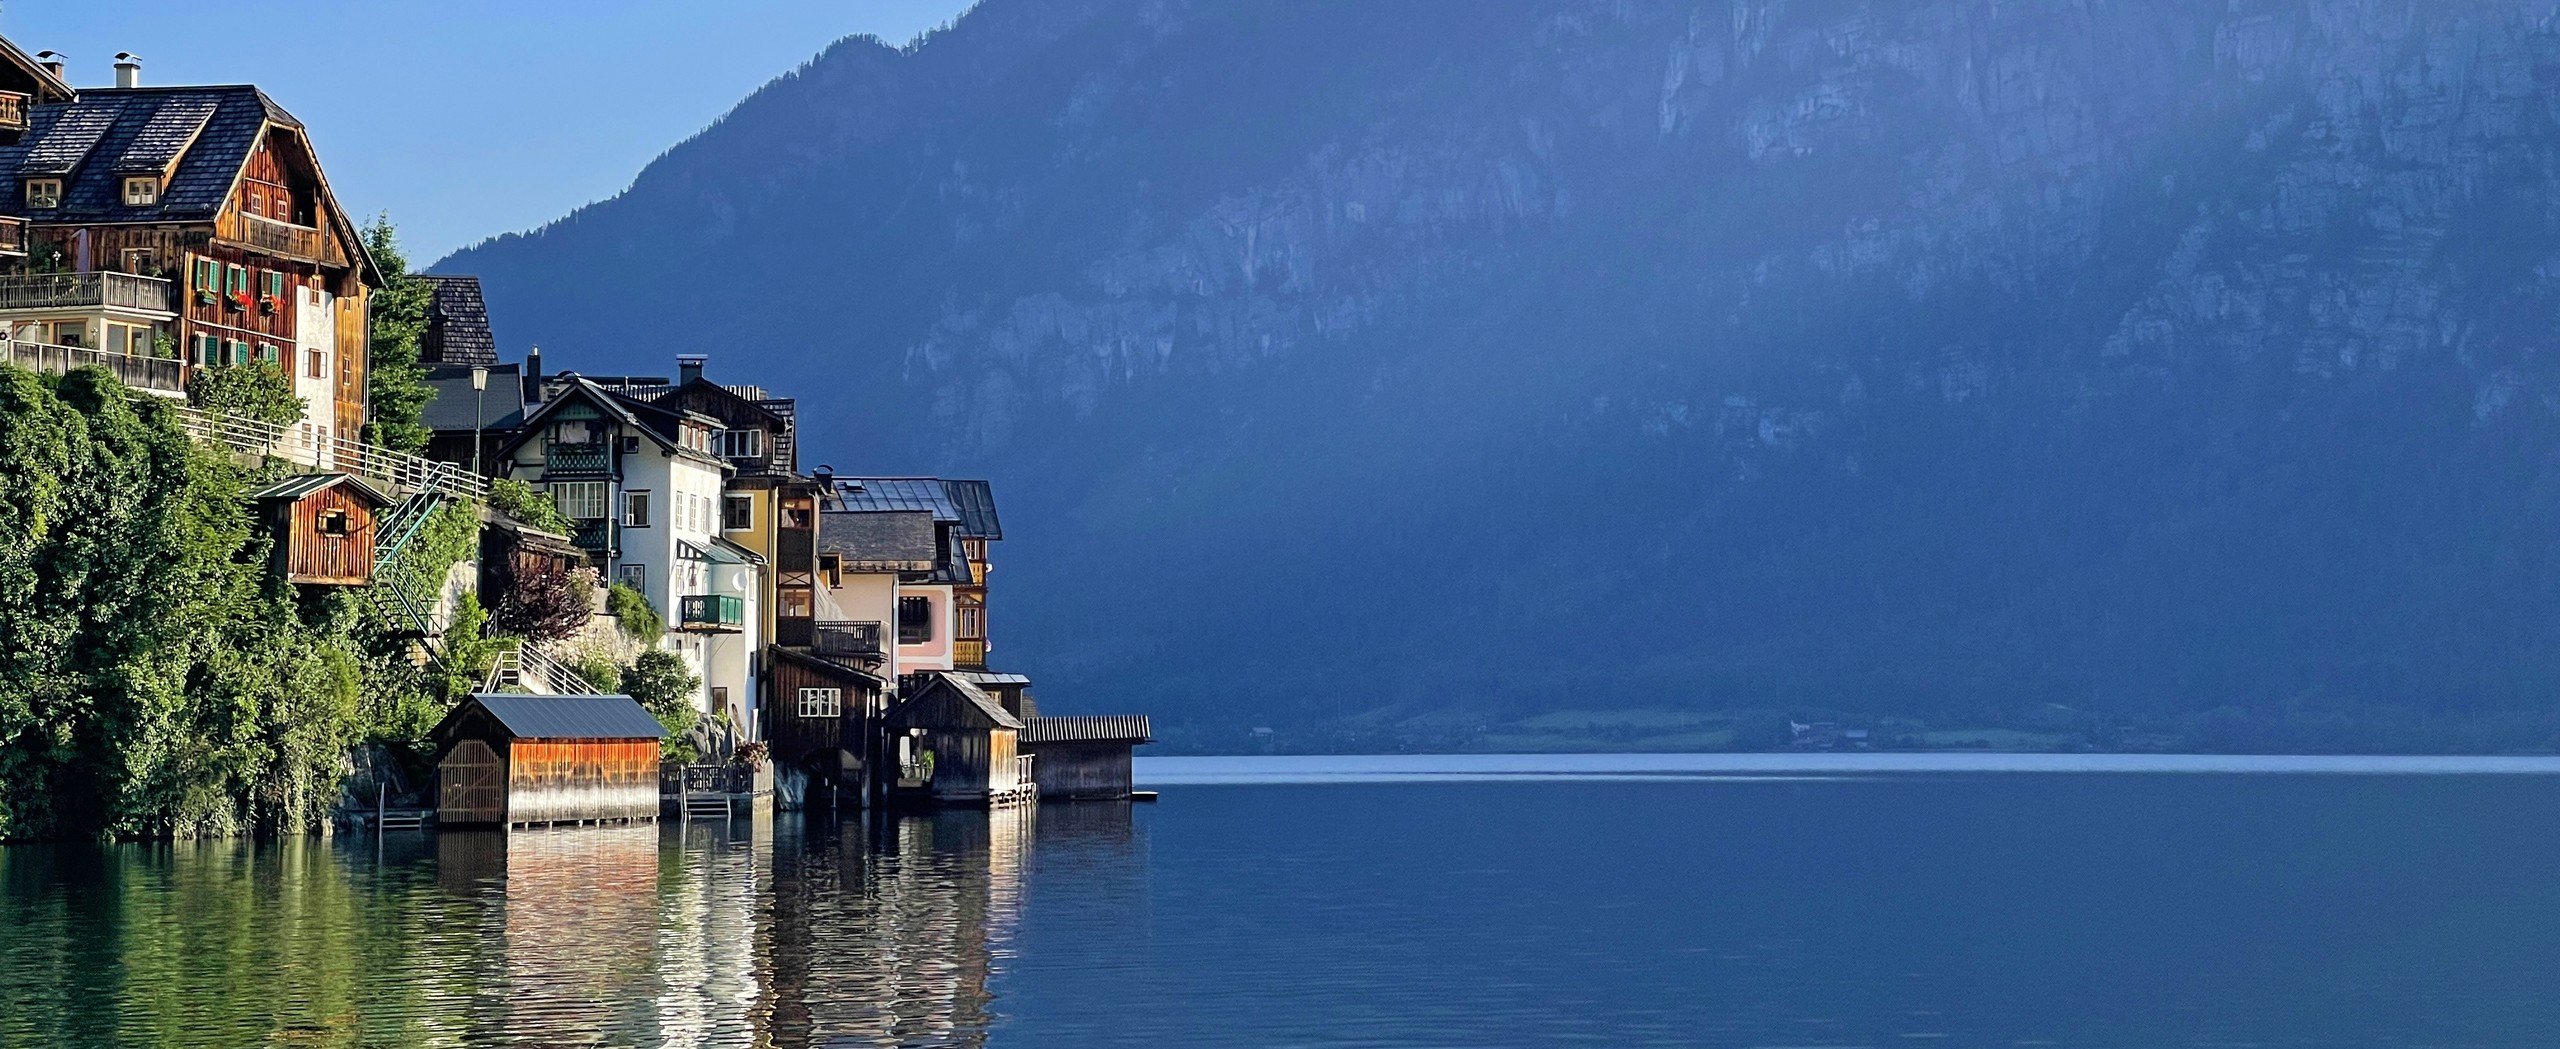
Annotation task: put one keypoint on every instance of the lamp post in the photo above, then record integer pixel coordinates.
(479, 399)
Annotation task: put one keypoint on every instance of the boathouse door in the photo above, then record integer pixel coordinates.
(471, 785)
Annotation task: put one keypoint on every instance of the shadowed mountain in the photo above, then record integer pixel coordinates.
(1447, 362)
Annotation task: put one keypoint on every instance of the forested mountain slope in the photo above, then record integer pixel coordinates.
(1448, 362)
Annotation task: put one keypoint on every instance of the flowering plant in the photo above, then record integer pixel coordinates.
(240, 300)
(270, 304)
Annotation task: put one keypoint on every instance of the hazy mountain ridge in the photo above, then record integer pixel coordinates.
(1940, 359)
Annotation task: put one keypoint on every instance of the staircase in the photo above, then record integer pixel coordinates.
(391, 595)
(529, 671)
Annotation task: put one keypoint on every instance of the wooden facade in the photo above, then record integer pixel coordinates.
(973, 742)
(528, 760)
(831, 759)
(1085, 758)
(322, 526)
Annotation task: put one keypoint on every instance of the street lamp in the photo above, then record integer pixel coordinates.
(479, 399)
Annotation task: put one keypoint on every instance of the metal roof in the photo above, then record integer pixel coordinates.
(897, 493)
(295, 488)
(982, 678)
(571, 717)
(1107, 728)
(976, 501)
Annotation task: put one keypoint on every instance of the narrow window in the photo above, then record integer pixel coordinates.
(973, 622)
(915, 620)
(208, 351)
(275, 284)
(208, 276)
(737, 513)
(315, 364)
(833, 567)
(141, 192)
(796, 602)
(635, 509)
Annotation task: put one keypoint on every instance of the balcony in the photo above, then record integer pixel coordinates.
(13, 110)
(573, 459)
(857, 642)
(59, 291)
(148, 374)
(969, 653)
(712, 613)
(13, 237)
(268, 236)
(594, 536)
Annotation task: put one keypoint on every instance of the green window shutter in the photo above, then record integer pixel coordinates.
(275, 284)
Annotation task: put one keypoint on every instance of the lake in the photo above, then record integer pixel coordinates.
(1721, 900)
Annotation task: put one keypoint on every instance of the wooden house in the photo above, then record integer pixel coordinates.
(953, 744)
(822, 728)
(173, 228)
(323, 527)
(514, 761)
(1084, 758)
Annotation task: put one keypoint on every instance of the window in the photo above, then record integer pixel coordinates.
(315, 364)
(973, 622)
(275, 284)
(140, 261)
(796, 603)
(634, 576)
(334, 523)
(44, 192)
(635, 509)
(235, 352)
(580, 500)
(141, 192)
(630, 444)
(257, 199)
(833, 566)
(742, 444)
(915, 620)
(208, 276)
(67, 333)
(737, 513)
(270, 353)
(795, 512)
(208, 351)
(821, 702)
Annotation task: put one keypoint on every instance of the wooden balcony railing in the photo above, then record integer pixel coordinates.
(149, 374)
(13, 110)
(285, 238)
(712, 613)
(55, 291)
(969, 653)
(13, 237)
(576, 459)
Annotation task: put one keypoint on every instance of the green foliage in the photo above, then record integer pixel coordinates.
(596, 670)
(395, 382)
(450, 536)
(155, 679)
(256, 390)
(518, 500)
(470, 649)
(637, 618)
(661, 683)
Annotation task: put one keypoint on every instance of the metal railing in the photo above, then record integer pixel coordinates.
(711, 612)
(401, 471)
(847, 639)
(529, 670)
(594, 535)
(55, 291)
(151, 374)
(576, 459)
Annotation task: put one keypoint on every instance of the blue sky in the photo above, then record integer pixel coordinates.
(469, 118)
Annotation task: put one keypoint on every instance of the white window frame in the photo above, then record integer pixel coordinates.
(742, 444)
(635, 508)
(44, 193)
(747, 503)
(575, 497)
(141, 191)
(821, 702)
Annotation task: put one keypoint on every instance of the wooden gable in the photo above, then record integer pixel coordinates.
(323, 528)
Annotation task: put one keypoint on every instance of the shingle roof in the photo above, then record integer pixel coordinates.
(976, 501)
(571, 717)
(898, 493)
(977, 697)
(953, 565)
(457, 323)
(208, 131)
(897, 541)
(1108, 728)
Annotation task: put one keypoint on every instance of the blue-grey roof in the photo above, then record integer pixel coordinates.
(501, 407)
(90, 143)
(898, 493)
(571, 717)
(976, 501)
(1108, 728)
(293, 489)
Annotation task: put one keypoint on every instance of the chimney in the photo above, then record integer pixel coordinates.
(826, 478)
(689, 367)
(533, 370)
(128, 69)
(51, 61)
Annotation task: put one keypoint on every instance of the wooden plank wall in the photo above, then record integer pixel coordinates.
(1081, 771)
(558, 781)
(311, 557)
(471, 785)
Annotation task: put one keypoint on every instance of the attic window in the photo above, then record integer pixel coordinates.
(141, 192)
(44, 192)
(333, 522)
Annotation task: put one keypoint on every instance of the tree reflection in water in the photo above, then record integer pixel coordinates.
(785, 932)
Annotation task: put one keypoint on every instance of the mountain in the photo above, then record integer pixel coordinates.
(1424, 373)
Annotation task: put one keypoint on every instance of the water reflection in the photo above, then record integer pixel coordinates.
(760, 932)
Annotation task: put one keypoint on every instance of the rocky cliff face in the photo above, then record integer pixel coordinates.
(1942, 358)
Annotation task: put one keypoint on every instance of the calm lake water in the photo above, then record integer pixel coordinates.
(1607, 901)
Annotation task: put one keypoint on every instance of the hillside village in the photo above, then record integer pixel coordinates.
(549, 538)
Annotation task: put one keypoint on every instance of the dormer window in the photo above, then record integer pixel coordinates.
(742, 444)
(141, 192)
(44, 193)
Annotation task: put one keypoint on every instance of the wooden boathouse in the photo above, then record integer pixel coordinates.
(953, 744)
(1085, 758)
(513, 761)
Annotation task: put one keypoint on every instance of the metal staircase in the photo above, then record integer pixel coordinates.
(392, 596)
(527, 669)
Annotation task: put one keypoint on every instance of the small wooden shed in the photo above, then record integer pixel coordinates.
(1085, 758)
(818, 724)
(323, 526)
(955, 745)
(508, 760)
